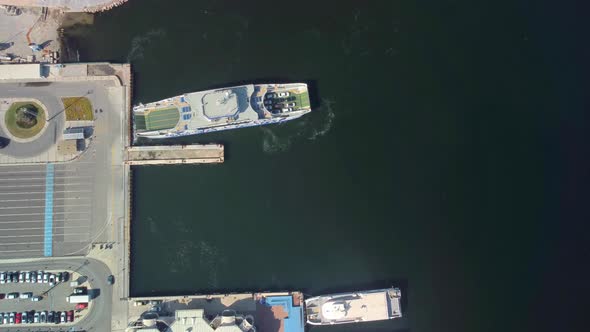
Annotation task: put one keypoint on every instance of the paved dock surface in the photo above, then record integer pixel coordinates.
(175, 154)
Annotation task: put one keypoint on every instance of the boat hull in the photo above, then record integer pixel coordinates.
(346, 308)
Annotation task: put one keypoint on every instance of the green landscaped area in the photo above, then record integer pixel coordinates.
(164, 118)
(24, 119)
(77, 108)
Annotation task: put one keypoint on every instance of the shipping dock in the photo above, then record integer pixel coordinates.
(75, 170)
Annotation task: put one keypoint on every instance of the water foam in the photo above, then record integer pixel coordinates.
(139, 43)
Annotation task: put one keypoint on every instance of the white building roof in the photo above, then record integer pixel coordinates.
(24, 71)
(190, 320)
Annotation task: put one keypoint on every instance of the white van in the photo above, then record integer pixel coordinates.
(26, 295)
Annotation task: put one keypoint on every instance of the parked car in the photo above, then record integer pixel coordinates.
(27, 277)
(2, 277)
(58, 277)
(25, 317)
(36, 318)
(30, 316)
(37, 298)
(111, 279)
(39, 277)
(11, 296)
(50, 316)
(56, 317)
(11, 318)
(81, 306)
(51, 280)
(26, 295)
(18, 318)
(70, 316)
(65, 276)
(2, 296)
(21, 277)
(43, 317)
(284, 94)
(80, 290)
(45, 277)
(33, 277)
(156, 302)
(5, 318)
(62, 317)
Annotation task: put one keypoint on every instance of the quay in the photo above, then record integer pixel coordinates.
(73, 169)
(175, 154)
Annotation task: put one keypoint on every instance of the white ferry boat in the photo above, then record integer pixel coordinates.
(366, 306)
(221, 109)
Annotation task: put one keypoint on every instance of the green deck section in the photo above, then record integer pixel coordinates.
(158, 119)
(140, 122)
(303, 100)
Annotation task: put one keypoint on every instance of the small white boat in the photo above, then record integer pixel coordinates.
(365, 306)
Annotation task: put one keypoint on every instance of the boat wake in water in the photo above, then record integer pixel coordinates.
(319, 124)
(139, 43)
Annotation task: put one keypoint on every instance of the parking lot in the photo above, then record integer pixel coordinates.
(52, 297)
(58, 209)
(45, 209)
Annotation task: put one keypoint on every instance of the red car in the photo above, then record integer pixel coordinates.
(81, 306)
(2, 295)
(70, 316)
(18, 317)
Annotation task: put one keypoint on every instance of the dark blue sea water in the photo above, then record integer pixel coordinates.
(447, 154)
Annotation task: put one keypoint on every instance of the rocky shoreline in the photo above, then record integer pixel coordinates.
(104, 8)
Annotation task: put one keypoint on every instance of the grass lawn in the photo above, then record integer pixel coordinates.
(15, 130)
(77, 108)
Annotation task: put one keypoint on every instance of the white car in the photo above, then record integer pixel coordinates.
(284, 94)
(45, 277)
(21, 277)
(27, 276)
(36, 317)
(2, 277)
(40, 277)
(5, 318)
(290, 105)
(11, 296)
(11, 318)
(26, 295)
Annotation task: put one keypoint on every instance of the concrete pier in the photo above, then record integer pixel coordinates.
(175, 154)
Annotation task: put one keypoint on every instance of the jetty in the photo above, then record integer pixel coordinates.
(175, 154)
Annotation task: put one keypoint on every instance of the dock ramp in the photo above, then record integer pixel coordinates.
(175, 154)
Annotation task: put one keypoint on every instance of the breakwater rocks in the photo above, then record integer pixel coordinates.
(104, 8)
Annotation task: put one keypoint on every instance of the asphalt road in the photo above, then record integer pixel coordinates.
(49, 94)
(97, 273)
(82, 188)
(22, 209)
(55, 116)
